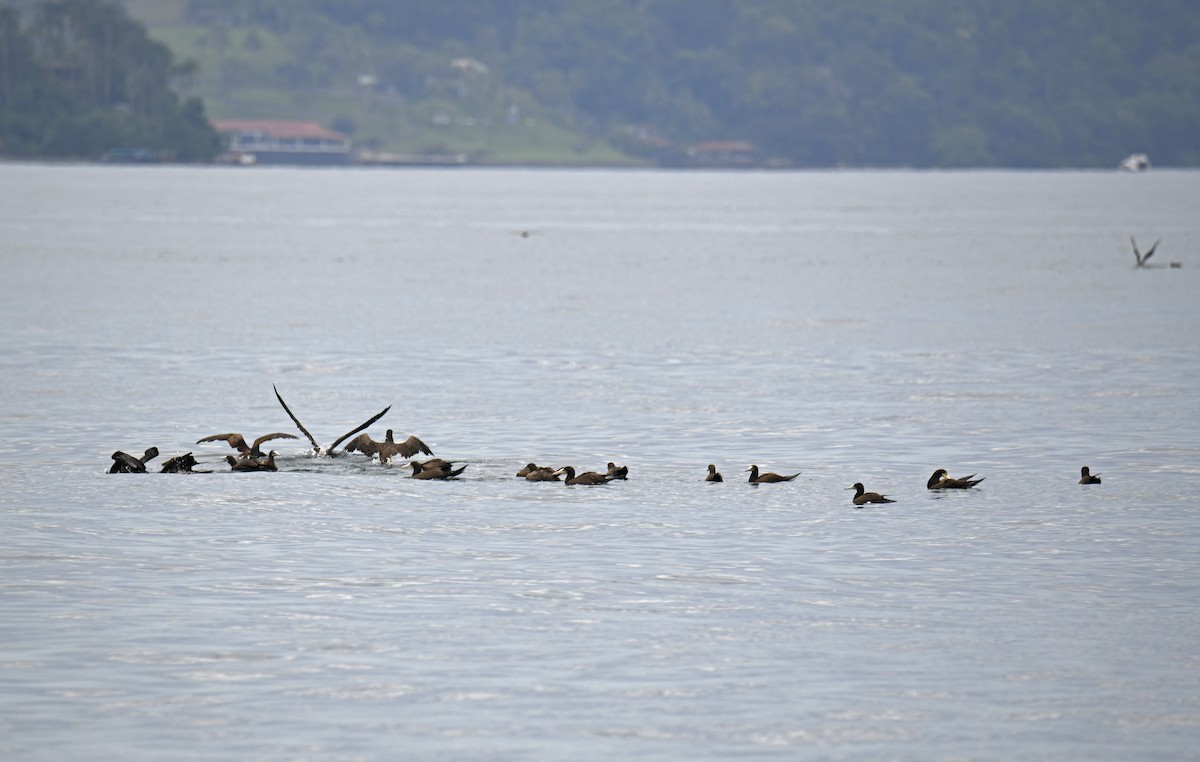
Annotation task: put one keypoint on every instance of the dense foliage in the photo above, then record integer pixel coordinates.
(1022, 83)
(81, 79)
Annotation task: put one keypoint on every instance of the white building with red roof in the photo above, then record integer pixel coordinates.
(274, 141)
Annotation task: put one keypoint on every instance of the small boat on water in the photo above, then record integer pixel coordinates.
(1134, 162)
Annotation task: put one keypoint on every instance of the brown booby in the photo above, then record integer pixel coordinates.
(435, 469)
(942, 480)
(617, 472)
(768, 478)
(182, 464)
(862, 497)
(253, 464)
(388, 448)
(1139, 256)
(587, 477)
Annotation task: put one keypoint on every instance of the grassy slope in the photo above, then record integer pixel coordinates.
(234, 83)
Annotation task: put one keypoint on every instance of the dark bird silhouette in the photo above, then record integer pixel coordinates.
(1087, 477)
(317, 450)
(124, 463)
(617, 472)
(713, 474)
(253, 464)
(862, 497)
(942, 480)
(1143, 258)
(238, 442)
(768, 478)
(388, 448)
(587, 477)
(527, 470)
(435, 469)
(182, 464)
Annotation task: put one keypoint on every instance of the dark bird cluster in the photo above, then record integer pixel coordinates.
(532, 472)
(250, 458)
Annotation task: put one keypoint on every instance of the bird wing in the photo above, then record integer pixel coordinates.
(269, 437)
(236, 441)
(1150, 253)
(411, 446)
(295, 420)
(362, 443)
(357, 429)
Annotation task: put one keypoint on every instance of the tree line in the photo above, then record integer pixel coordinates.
(80, 79)
(945, 83)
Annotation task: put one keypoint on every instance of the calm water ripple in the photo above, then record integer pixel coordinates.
(852, 326)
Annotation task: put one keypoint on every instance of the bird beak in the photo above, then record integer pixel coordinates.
(848, 488)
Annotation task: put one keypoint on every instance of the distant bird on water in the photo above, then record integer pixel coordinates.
(527, 470)
(942, 480)
(587, 477)
(1143, 258)
(238, 442)
(862, 497)
(768, 477)
(124, 463)
(317, 449)
(544, 474)
(388, 448)
(713, 474)
(1087, 477)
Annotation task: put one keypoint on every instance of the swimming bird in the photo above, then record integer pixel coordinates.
(435, 464)
(253, 464)
(124, 463)
(587, 477)
(182, 464)
(1142, 258)
(1087, 477)
(435, 469)
(862, 497)
(545, 474)
(388, 448)
(768, 478)
(238, 442)
(713, 474)
(317, 450)
(528, 469)
(942, 480)
(617, 472)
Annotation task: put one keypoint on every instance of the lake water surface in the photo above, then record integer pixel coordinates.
(852, 326)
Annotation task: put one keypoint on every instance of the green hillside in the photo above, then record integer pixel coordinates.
(921, 83)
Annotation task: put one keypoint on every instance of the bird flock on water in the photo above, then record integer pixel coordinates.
(251, 458)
